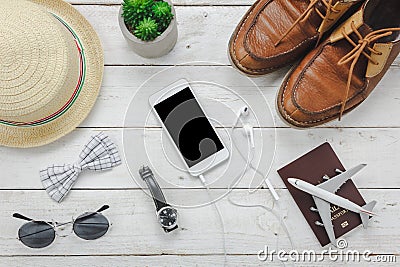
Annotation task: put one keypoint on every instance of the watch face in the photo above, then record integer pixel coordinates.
(168, 217)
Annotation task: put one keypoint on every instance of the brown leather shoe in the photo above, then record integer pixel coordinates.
(341, 72)
(274, 33)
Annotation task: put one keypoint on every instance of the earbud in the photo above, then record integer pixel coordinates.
(249, 132)
(243, 112)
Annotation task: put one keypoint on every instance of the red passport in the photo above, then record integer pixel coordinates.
(311, 167)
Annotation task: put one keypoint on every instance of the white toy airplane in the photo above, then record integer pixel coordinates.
(324, 194)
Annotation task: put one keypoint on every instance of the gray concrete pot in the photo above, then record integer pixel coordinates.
(160, 46)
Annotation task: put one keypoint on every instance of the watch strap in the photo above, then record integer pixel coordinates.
(155, 190)
(170, 230)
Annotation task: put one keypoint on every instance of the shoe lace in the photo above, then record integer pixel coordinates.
(307, 13)
(360, 47)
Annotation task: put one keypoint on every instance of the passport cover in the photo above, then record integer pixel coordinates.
(311, 167)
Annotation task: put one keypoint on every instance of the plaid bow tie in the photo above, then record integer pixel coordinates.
(99, 154)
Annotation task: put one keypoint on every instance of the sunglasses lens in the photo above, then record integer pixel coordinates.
(36, 234)
(91, 226)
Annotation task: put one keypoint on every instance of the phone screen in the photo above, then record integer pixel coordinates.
(189, 127)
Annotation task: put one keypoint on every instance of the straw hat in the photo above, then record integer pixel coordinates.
(51, 68)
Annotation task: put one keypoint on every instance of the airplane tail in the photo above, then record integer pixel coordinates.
(368, 212)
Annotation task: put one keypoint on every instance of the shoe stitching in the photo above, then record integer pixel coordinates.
(283, 53)
(287, 51)
(327, 108)
(235, 41)
(243, 22)
(310, 121)
(295, 91)
(287, 116)
(254, 56)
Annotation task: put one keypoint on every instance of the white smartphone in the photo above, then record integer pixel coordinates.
(188, 127)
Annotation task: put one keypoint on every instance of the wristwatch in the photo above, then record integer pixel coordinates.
(167, 216)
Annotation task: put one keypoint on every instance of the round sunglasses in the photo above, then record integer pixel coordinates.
(40, 234)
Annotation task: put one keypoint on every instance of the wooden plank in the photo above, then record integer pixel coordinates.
(376, 147)
(200, 28)
(122, 83)
(168, 260)
(139, 261)
(135, 238)
(175, 2)
(135, 230)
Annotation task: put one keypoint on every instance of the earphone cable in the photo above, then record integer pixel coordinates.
(248, 165)
(203, 181)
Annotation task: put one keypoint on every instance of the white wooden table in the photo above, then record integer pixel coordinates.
(370, 134)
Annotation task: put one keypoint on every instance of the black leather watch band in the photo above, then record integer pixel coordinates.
(158, 197)
(157, 194)
(172, 229)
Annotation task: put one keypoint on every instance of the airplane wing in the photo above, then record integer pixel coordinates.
(333, 184)
(324, 210)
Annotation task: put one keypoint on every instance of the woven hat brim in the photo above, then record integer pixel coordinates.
(25, 137)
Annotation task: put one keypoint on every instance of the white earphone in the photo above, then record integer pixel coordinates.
(249, 133)
(243, 112)
(247, 128)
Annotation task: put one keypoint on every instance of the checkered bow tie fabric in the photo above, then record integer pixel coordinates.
(99, 154)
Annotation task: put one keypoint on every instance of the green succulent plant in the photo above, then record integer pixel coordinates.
(146, 19)
(134, 11)
(147, 30)
(162, 13)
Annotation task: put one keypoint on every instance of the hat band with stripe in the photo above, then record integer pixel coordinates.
(76, 92)
(51, 71)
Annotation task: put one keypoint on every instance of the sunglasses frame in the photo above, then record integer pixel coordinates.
(55, 225)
